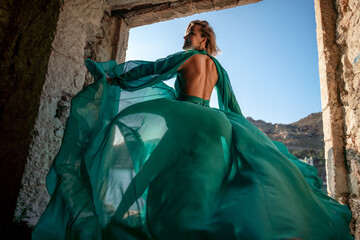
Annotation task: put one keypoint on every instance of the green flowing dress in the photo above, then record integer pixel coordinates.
(141, 160)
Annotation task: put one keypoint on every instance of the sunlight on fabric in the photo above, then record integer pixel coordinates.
(119, 180)
(119, 138)
(153, 128)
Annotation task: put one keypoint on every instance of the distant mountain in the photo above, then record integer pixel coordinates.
(305, 133)
(304, 138)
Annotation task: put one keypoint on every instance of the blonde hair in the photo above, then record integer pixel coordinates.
(208, 32)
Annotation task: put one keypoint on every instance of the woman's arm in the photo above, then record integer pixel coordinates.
(133, 75)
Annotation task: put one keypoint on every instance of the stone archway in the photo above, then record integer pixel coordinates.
(99, 29)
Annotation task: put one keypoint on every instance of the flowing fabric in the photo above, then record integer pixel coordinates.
(141, 160)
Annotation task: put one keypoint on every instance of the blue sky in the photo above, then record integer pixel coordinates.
(268, 48)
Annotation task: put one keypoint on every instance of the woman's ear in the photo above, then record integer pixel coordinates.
(204, 40)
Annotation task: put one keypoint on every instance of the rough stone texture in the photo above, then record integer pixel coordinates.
(80, 33)
(355, 208)
(216, 4)
(93, 29)
(128, 4)
(332, 106)
(25, 46)
(123, 41)
(348, 38)
(156, 11)
(339, 53)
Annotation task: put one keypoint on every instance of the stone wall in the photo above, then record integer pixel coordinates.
(348, 40)
(332, 107)
(26, 31)
(138, 13)
(84, 29)
(338, 34)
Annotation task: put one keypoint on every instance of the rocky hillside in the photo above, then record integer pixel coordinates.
(304, 138)
(305, 133)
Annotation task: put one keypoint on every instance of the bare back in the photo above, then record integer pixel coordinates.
(199, 76)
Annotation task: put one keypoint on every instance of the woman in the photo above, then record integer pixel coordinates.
(140, 160)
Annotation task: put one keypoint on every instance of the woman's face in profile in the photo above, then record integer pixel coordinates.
(193, 38)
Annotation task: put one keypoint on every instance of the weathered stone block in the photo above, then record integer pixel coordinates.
(183, 9)
(167, 14)
(65, 74)
(222, 4)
